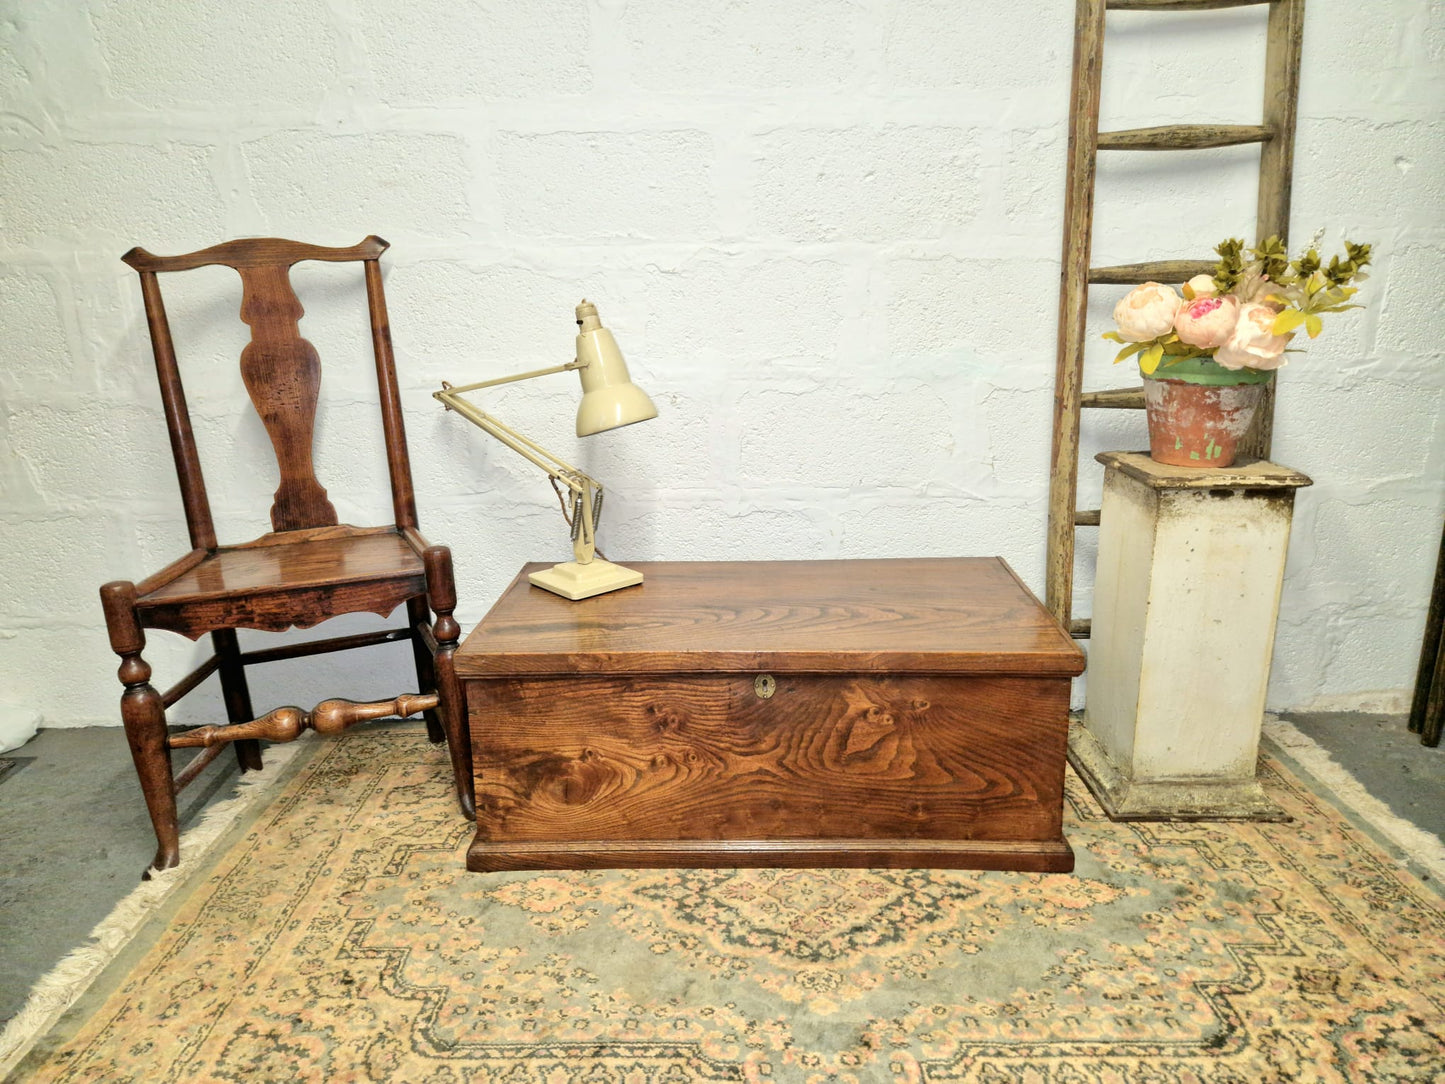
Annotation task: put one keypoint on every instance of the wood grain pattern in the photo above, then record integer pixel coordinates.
(944, 615)
(1044, 856)
(1284, 39)
(144, 714)
(243, 570)
(1246, 472)
(187, 458)
(1073, 303)
(330, 717)
(322, 647)
(1114, 399)
(195, 766)
(1166, 271)
(310, 568)
(398, 458)
(798, 713)
(1184, 5)
(282, 372)
(639, 757)
(255, 252)
(443, 637)
(295, 608)
(1180, 137)
(277, 587)
(236, 692)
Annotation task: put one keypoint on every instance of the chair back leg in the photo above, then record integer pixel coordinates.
(237, 695)
(418, 616)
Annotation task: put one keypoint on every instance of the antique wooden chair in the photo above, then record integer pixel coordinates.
(307, 569)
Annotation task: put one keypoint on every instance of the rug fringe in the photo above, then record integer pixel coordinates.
(62, 985)
(1424, 848)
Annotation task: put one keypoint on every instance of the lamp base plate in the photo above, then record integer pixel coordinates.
(574, 581)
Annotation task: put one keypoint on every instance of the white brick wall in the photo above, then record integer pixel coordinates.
(825, 232)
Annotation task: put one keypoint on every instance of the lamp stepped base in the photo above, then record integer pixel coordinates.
(575, 581)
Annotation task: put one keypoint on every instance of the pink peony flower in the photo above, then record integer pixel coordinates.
(1206, 322)
(1253, 344)
(1146, 312)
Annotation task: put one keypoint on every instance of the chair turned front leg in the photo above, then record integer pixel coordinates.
(452, 705)
(144, 715)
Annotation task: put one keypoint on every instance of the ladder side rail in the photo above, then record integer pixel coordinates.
(1285, 33)
(1073, 302)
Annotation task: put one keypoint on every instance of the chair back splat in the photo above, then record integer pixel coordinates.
(282, 373)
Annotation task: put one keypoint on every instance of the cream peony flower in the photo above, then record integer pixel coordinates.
(1253, 344)
(1146, 312)
(1207, 322)
(1203, 286)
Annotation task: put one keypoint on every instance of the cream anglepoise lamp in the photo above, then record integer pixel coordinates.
(609, 400)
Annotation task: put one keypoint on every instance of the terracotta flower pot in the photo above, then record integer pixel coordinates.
(1199, 411)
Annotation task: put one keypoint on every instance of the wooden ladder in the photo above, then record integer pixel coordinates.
(1275, 134)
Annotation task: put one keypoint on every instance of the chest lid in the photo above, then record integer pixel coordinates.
(969, 615)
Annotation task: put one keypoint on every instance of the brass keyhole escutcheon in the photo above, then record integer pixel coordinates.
(764, 685)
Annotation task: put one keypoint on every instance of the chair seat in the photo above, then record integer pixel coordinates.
(275, 585)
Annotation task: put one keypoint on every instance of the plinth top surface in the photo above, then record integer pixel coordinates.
(969, 615)
(1244, 473)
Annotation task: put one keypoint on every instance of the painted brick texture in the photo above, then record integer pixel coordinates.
(825, 233)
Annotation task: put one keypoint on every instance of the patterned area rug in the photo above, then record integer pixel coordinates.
(342, 939)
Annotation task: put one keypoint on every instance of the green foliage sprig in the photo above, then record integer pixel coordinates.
(1304, 290)
(1230, 268)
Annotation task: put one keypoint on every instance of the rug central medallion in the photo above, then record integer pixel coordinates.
(816, 937)
(808, 916)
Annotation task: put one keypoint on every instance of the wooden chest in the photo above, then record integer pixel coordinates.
(791, 713)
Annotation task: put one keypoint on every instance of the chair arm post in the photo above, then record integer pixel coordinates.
(127, 638)
(442, 594)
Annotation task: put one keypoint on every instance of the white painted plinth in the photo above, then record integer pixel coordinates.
(1191, 561)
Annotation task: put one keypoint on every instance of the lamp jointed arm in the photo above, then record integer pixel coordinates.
(586, 490)
(569, 367)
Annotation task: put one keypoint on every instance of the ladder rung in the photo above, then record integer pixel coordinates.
(1079, 628)
(1128, 274)
(1181, 5)
(1114, 399)
(1087, 518)
(1184, 137)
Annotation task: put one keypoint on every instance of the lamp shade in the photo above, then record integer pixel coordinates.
(609, 397)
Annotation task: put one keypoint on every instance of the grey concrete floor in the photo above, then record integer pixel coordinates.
(1387, 759)
(74, 840)
(74, 835)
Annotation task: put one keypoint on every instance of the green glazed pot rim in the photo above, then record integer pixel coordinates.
(1206, 371)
